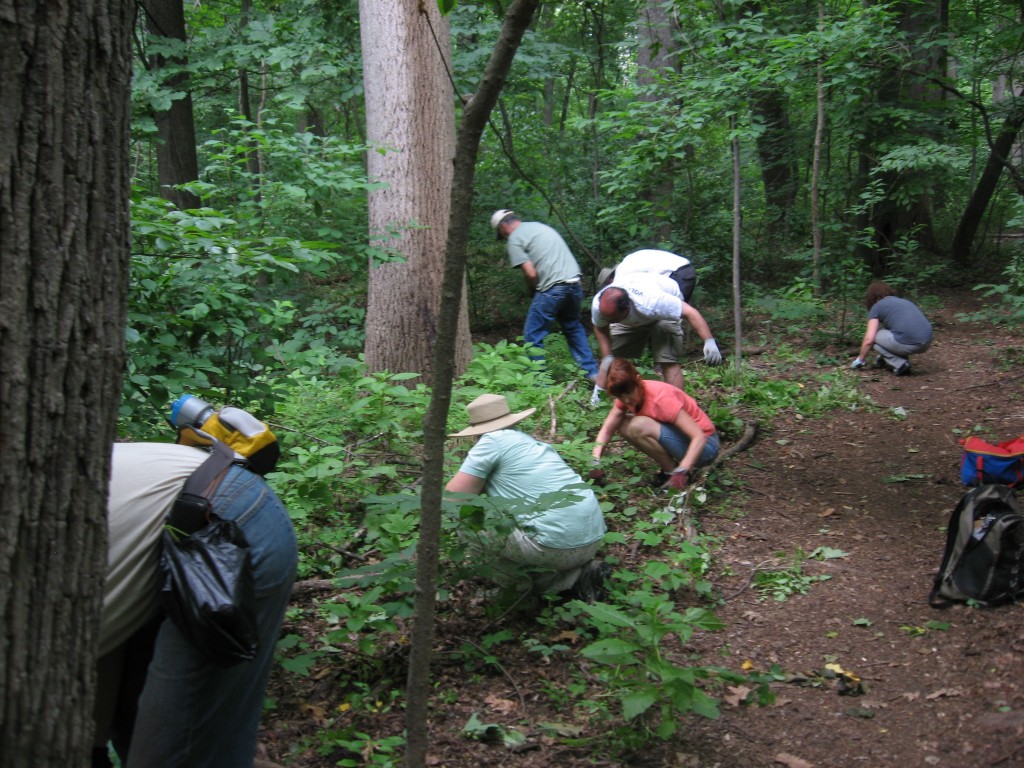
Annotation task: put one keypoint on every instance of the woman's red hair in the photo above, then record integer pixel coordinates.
(625, 383)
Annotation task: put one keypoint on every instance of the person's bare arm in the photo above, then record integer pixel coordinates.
(697, 322)
(530, 275)
(463, 482)
(689, 427)
(608, 430)
(869, 339)
(604, 340)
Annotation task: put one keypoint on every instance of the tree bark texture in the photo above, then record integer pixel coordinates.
(176, 130)
(64, 118)
(410, 122)
(908, 87)
(779, 171)
(656, 53)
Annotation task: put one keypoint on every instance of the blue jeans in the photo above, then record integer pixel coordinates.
(193, 714)
(675, 442)
(560, 303)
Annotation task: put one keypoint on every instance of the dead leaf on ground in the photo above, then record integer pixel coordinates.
(944, 692)
(792, 761)
(504, 706)
(736, 695)
(317, 712)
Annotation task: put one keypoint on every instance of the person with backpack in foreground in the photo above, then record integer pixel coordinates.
(190, 711)
(897, 329)
(559, 525)
(660, 420)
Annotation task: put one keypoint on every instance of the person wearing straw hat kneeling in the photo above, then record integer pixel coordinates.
(559, 526)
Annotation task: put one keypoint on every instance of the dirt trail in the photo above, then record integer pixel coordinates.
(879, 488)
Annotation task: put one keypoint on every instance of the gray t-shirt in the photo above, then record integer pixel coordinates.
(515, 466)
(551, 257)
(907, 323)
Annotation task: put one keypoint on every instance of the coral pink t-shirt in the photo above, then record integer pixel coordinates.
(662, 402)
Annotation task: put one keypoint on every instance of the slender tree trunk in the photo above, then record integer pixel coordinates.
(998, 159)
(819, 129)
(737, 233)
(253, 162)
(176, 131)
(64, 116)
(474, 119)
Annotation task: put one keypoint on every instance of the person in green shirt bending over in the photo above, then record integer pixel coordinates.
(554, 544)
(553, 277)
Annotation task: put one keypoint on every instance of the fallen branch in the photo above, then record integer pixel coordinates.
(313, 586)
(749, 433)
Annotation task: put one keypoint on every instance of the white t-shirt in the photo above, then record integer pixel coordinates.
(145, 479)
(650, 260)
(655, 297)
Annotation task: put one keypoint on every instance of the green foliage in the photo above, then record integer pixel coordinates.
(636, 666)
(781, 584)
(200, 317)
(1006, 299)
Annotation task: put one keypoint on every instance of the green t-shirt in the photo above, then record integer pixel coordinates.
(542, 245)
(515, 466)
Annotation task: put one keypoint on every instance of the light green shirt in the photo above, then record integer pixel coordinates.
(515, 466)
(542, 245)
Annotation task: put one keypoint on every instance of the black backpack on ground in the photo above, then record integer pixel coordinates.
(984, 557)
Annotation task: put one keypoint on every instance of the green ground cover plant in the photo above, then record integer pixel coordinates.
(350, 477)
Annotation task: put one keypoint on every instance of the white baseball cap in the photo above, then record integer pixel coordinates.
(497, 216)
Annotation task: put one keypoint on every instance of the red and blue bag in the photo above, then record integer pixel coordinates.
(984, 463)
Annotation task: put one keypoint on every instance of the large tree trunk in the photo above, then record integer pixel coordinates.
(176, 131)
(779, 171)
(910, 88)
(656, 53)
(64, 114)
(410, 119)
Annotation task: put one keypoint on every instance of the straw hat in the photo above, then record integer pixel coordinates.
(603, 276)
(489, 413)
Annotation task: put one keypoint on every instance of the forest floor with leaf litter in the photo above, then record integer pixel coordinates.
(938, 687)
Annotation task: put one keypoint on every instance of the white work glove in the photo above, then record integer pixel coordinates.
(858, 363)
(711, 354)
(595, 398)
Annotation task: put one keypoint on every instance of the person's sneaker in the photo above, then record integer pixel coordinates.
(902, 370)
(879, 362)
(658, 480)
(590, 587)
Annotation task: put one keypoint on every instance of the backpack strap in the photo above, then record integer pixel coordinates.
(952, 532)
(192, 508)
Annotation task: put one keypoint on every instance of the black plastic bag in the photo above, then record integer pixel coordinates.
(207, 589)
